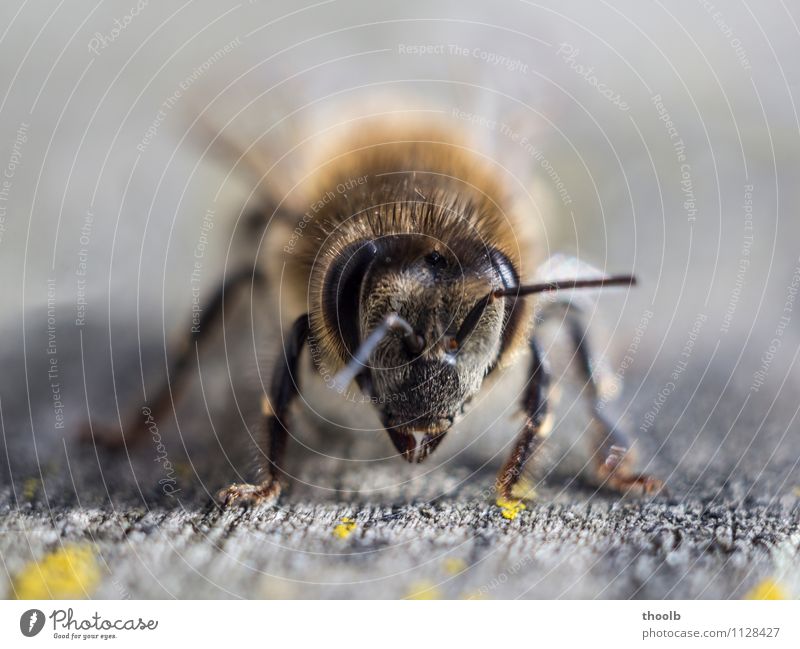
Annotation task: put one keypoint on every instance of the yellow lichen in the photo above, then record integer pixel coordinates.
(423, 590)
(344, 528)
(510, 509)
(71, 572)
(454, 565)
(523, 490)
(767, 589)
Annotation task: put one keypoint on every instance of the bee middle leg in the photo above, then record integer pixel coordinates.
(535, 428)
(283, 389)
(613, 460)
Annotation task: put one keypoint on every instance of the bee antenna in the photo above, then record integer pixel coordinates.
(392, 322)
(475, 314)
(562, 285)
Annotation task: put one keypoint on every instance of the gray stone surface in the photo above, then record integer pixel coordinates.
(709, 393)
(726, 524)
(553, 550)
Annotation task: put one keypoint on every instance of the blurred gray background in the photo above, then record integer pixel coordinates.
(660, 137)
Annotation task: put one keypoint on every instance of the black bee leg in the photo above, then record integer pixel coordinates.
(152, 412)
(614, 459)
(536, 425)
(275, 408)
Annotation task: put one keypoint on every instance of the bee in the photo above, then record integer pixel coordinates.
(414, 269)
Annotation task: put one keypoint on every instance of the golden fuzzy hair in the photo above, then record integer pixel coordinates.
(403, 178)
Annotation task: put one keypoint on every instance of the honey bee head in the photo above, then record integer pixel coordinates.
(422, 375)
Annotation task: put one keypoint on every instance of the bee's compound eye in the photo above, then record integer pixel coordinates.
(434, 258)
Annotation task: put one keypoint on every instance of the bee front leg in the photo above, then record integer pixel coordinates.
(536, 425)
(614, 459)
(275, 409)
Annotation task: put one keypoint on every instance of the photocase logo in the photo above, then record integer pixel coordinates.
(31, 622)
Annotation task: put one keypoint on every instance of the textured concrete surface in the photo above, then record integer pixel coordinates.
(440, 549)
(731, 520)
(110, 197)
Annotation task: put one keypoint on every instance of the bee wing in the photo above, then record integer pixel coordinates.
(564, 267)
(561, 267)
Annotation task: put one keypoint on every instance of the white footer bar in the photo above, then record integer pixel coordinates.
(404, 624)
